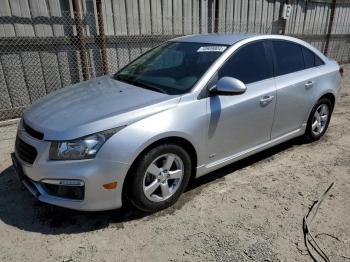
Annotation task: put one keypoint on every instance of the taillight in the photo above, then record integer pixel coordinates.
(341, 72)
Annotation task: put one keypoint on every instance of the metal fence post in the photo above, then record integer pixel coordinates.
(330, 26)
(284, 21)
(102, 37)
(81, 39)
(210, 16)
(216, 16)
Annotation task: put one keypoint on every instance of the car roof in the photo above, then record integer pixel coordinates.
(231, 39)
(214, 38)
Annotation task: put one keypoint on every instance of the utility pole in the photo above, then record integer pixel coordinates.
(330, 26)
(102, 38)
(81, 38)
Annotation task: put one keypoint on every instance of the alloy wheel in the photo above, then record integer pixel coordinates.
(320, 119)
(163, 177)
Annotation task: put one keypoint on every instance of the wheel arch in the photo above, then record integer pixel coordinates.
(309, 136)
(327, 94)
(180, 141)
(330, 96)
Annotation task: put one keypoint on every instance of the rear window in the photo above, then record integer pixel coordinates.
(289, 57)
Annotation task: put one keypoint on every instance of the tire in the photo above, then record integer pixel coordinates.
(153, 174)
(311, 132)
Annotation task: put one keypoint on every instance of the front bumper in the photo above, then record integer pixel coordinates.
(93, 172)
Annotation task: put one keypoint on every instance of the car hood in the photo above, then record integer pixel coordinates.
(92, 106)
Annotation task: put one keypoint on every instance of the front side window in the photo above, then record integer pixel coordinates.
(249, 64)
(172, 68)
(289, 57)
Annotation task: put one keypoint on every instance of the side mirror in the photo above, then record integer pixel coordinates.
(228, 86)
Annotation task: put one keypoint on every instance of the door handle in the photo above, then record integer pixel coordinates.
(265, 100)
(309, 84)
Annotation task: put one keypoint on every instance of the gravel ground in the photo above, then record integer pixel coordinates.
(249, 211)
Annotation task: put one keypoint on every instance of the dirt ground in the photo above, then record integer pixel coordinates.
(249, 211)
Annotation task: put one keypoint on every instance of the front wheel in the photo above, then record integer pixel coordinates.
(319, 119)
(161, 175)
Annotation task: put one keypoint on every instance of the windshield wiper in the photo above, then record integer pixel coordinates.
(148, 86)
(139, 83)
(123, 78)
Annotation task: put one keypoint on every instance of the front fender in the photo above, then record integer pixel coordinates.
(129, 142)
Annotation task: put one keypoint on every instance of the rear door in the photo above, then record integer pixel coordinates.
(295, 82)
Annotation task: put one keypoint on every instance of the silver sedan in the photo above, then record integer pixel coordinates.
(181, 110)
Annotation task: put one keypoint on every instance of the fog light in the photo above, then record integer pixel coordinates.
(64, 182)
(64, 188)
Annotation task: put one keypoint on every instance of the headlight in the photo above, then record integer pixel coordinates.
(81, 148)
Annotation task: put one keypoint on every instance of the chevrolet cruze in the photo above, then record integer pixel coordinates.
(179, 111)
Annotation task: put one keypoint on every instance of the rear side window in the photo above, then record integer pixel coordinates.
(318, 61)
(289, 57)
(310, 58)
(249, 64)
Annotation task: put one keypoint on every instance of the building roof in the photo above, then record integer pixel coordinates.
(220, 38)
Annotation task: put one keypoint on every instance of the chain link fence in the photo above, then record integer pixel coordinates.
(33, 66)
(41, 54)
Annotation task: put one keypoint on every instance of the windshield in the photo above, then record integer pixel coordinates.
(172, 68)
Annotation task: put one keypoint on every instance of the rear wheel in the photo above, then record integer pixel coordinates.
(161, 175)
(318, 120)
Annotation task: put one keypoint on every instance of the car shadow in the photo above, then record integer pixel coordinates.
(20, 209)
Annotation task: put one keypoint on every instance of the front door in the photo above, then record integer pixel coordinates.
(239, 122)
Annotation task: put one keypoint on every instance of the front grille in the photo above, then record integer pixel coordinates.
(25, 152)
(32, 132)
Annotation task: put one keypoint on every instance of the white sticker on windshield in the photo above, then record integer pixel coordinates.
(213, 48)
